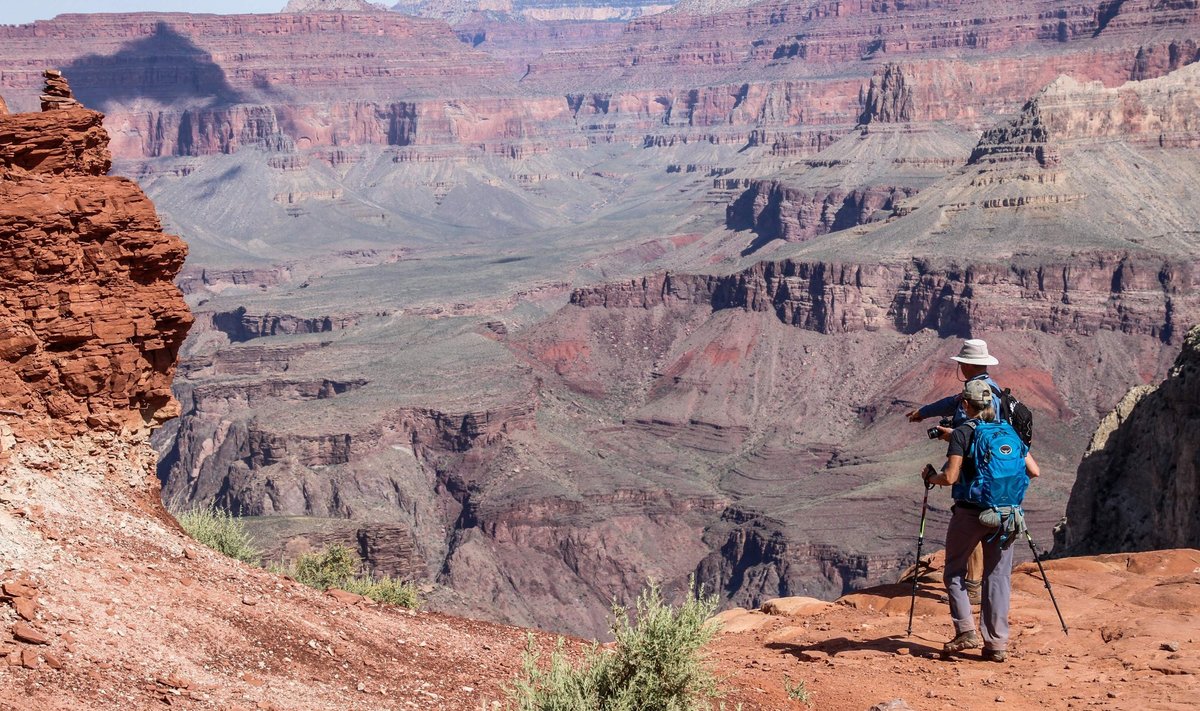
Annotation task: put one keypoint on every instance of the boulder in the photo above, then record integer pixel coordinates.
(795, 606)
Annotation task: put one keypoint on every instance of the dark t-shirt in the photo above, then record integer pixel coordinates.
(960, 444)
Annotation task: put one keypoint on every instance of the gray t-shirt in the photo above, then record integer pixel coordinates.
(960, 444)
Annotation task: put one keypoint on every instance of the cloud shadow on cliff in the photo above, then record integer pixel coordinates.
(165, 66)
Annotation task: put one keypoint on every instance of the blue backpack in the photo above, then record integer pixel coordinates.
(1000, 480)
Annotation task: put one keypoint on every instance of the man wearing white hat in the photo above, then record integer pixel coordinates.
(973, 361)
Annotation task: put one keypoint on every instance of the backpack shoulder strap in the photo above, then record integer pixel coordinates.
(971, 440)
(1004, 404)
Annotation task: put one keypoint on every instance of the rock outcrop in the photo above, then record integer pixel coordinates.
(773, 208)
(1163, 113)
(889, 98)
(1138, 487)
(90, 321)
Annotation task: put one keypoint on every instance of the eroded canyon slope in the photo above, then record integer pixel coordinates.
(105, 602)
(537, 311)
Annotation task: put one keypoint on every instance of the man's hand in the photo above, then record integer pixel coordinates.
(944, 433)
(928, 473)
(915, 416)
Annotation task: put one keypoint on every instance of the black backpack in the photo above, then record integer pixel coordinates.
(1017, 414)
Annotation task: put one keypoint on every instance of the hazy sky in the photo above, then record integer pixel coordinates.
(15, 12)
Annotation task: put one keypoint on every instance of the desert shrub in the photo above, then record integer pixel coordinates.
(389, 590)
(557, 685)
(329, 568)
(338, 567)
(221, 531)
(656, 663)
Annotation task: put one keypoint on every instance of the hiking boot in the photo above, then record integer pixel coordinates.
(962, 641)
(995, 655)
(974, 591)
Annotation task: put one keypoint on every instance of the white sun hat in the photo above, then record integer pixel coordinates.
(974, 352)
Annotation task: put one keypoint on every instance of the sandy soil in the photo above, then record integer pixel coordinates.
(1134, 643)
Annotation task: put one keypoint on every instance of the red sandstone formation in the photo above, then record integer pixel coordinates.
(90, 322)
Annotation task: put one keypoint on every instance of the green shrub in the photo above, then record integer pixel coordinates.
(329, 568)
(389, 590)
(338, 567)
(657, 663)
(559, 686)
(221, 531)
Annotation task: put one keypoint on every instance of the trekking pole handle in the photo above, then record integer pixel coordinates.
(926, 474)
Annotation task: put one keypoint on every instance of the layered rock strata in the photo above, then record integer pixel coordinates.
(1145, 295)
(458, 11)
(90, 321)
(774, 72)
(332, 6)
(793, 214)
(1159, 114)
(1138, 487)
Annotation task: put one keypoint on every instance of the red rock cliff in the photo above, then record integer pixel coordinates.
(90, 319)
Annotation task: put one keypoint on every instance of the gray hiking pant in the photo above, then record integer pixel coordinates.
(964, 533)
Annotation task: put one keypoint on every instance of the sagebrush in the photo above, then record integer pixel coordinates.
(221, 531)
(656, 663)
(338, 567)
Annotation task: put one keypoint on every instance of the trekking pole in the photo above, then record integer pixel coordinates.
(917, 566)
(1038, 558)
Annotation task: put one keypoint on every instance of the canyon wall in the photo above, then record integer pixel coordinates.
(1138, 487)
(458, 11)
(90, 320)
(773, 73)
(1143, 295)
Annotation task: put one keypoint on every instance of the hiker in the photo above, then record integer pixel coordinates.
(973, 361)
(966, 531)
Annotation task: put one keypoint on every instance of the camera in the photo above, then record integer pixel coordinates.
(933, 431)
